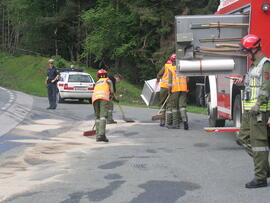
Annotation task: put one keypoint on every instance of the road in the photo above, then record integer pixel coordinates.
(48, 159)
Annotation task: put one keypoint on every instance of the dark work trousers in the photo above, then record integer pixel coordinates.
(52, 91)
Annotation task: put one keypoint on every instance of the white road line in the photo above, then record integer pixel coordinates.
(11, 99)
(15, 111)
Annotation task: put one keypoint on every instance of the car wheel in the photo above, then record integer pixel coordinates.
(81, 100)
(60, 100)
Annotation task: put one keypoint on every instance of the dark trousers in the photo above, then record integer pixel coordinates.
(52, 91)
(254, 138)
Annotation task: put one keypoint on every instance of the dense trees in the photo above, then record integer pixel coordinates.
(131, 36)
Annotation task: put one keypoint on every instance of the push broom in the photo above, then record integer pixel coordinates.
(160, 116)
(90, 132)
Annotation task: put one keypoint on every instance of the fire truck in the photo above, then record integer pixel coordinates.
(208, 45)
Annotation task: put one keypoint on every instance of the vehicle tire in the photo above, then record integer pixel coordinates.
(81, 100)
(90, 101)
(59, 99)
(237, 111)
(212, 117)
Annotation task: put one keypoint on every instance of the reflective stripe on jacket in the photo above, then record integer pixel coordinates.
(102, 90)
(179, 83)
(164, 81)
(253, 84)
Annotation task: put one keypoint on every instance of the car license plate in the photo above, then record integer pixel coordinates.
(80, 88)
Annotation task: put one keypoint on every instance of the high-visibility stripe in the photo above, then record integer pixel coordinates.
(103, 118)
(164, 81)
(260, 149)
(101, 90)
(179, 83)
(254, 80)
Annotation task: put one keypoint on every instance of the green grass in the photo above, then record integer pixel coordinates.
(27, 74)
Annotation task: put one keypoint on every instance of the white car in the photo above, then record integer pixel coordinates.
(75, 85)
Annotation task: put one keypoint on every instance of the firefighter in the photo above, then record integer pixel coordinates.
(116, 78)
(253, 132)
(101, 97)
(163, 79)
(178, 100)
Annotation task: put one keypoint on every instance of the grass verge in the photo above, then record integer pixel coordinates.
(27, 73)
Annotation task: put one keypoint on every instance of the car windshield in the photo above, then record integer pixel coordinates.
(80, 78)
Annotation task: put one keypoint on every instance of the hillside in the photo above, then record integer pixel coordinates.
(27, 74)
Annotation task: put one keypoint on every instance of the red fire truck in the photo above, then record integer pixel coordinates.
(223, 97)
(228, 105)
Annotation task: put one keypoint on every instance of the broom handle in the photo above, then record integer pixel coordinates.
(164, 104)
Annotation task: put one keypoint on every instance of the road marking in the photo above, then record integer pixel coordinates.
(11, 99)
(15, 110)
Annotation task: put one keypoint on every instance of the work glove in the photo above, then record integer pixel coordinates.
(255, 110)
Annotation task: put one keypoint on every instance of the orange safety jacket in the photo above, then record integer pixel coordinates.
(164, 81)
(101, 90)
(179, 83)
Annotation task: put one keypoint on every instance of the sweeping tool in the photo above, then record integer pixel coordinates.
(160, 116)
(90, 132)
(128, 120)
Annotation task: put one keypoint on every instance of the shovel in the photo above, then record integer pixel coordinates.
(160, 116)
(128, 120)
(90, 132)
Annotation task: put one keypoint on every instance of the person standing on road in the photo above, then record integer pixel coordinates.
(163, 79)
(253, 131)
(115, 79)
(103, 91)
(178, 100)
(51, 82)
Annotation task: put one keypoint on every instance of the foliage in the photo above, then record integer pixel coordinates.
(134, 37)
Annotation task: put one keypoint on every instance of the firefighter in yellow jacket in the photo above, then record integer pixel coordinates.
(176, 108)
(101, 97)
(256, 103)
(163, 79)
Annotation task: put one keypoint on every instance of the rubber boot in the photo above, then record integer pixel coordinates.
(162, 121)
(183, 113)
(168, 119)
(102, 130)
(110, 117)
(179, 118)
(175, 120)
(256, 183)
(97, 127)
(186, 125)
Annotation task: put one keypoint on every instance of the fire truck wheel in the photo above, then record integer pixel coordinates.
(212, 119)
(237, 109)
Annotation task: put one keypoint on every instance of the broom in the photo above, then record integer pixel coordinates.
(90, 132)
(128, 120)
(160, 116)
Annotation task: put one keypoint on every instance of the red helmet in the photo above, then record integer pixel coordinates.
(102, 72)
(169, 62)
(250, 42)
(172, 57)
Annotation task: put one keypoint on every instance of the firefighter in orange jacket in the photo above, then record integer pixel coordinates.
(163, 79)
(101, 97)
(176, 108)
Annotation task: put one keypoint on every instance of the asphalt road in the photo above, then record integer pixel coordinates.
(50, 160)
